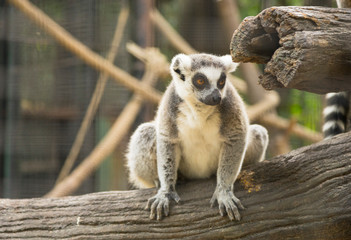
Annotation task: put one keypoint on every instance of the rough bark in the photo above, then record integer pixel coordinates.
(301, 195)
(307, 48)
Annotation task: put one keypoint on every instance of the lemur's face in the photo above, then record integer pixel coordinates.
(201, 77)
(208, 85)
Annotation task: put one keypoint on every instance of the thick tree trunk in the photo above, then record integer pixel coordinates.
(307, 48)
(301, 195)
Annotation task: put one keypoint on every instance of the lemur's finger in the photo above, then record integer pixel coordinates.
(221, 209)
(234, 211)
(159, 210)
(153, 209)
(213, 201)
(236, 214)
(149, 203)
(175, 197)
(166, 208)
(152, 214)
(238, 203)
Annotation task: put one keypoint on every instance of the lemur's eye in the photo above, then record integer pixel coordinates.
(200, 81)
(221, 81)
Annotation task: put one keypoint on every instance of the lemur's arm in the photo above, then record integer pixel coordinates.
(234, 132)
(231, 158)
(167, 163)
(168, 155)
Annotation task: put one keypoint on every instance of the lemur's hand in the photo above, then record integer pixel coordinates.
(159, 204)
(227, 203)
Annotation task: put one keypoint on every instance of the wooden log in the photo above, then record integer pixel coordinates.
(306, 48)
(304, 194)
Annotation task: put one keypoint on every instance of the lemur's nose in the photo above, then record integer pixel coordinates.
(216, 99)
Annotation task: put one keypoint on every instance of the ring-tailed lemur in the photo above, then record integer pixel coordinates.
(201, 129)
(336, 114)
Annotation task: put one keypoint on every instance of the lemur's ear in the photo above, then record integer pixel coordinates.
(181, 63)
(228, 63)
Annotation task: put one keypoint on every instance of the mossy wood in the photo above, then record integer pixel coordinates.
(301, 195)
(306, 48)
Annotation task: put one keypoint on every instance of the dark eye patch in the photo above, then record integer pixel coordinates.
(181, 76)
(221, 81)
(200, 81)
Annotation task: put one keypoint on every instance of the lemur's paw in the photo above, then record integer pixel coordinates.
(159, 204)
(227, 203)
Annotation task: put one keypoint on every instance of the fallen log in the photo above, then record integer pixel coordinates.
(304, 194)
(306, 48)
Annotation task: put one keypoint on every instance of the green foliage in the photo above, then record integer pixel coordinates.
(306, 108)
(252, 8)
(249, 8)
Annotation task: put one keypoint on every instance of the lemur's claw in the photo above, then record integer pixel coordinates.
(159, 204)
(227, 204)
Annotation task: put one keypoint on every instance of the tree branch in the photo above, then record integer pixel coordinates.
(303, 194)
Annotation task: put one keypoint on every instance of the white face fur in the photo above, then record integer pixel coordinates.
(201, 77)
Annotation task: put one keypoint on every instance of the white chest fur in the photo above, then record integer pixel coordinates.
(200, 141)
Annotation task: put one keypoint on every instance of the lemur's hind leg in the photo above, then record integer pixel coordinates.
(141, 157)
(257, 144)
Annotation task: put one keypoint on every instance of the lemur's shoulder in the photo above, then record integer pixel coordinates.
(232, 111)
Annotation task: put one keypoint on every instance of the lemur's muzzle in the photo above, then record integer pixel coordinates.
(214, 98)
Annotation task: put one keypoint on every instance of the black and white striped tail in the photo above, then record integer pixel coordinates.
(336, 113)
